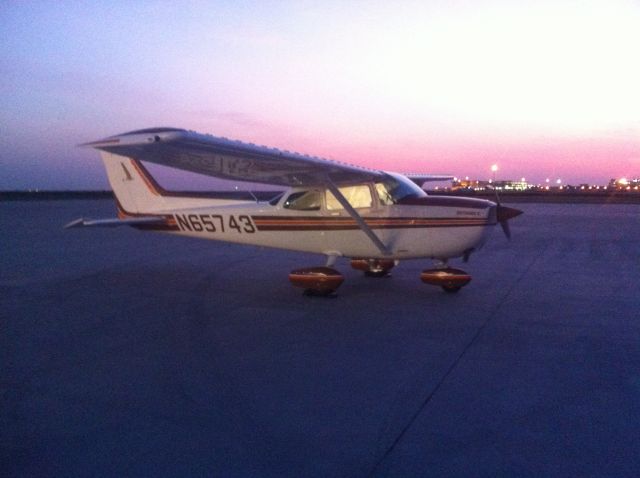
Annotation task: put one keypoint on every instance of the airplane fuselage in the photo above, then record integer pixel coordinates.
(431, 226)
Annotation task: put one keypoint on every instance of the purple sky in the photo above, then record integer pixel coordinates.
(544, 89)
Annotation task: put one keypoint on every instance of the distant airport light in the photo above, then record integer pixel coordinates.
(559, 181)
(494, 168)
(547, 180)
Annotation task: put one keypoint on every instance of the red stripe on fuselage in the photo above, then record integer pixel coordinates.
(151, 183)
(279, 223)
(168, 225)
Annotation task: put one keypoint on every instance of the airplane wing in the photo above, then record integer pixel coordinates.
(235, 160)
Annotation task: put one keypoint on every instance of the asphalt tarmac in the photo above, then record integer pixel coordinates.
(127, 353)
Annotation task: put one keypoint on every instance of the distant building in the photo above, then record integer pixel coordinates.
(623, 184)
(509, 185)
(478, 185)
(474, 184)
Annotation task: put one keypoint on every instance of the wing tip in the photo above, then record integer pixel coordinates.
(123, 137)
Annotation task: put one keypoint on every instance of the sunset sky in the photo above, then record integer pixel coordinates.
(544, 89)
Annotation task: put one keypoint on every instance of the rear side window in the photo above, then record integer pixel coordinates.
(304, 201)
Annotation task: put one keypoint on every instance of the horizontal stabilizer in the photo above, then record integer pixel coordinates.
(134, 221)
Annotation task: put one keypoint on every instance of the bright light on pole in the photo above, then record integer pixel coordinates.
(494, 169)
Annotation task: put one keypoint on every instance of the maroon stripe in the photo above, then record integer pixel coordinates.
(366, 218)
(146, 176)
(156, 227)
(347, 227)
(166, 226)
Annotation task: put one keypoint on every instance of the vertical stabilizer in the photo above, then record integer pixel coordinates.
(134, 188)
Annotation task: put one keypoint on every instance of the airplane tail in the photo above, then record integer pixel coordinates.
(135, 189)
(138, 193)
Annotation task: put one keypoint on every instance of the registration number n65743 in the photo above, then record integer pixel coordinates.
(215, 223)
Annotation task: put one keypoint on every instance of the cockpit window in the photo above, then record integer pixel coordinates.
(304, 201)
(358, 196)
(393, 188)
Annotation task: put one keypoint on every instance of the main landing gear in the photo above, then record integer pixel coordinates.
(323, 281)
(317, 281)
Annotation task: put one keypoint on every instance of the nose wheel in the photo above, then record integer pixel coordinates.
(373, 267)
(451, 289)
(451, 280)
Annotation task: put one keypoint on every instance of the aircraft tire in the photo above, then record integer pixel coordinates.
(382, 273)
(451, 289)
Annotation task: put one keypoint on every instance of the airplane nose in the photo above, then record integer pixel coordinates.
(503, 214)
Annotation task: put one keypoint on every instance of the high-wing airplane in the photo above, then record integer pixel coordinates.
(372, 217)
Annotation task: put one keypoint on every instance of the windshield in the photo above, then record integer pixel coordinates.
(395, 187)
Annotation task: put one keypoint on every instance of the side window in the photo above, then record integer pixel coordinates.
(358, 196)
(304, 201)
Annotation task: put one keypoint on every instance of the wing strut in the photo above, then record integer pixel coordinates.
(354, 214)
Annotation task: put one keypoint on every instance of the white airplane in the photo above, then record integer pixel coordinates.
(372, 217)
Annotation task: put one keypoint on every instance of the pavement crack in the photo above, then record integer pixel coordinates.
(492, 314)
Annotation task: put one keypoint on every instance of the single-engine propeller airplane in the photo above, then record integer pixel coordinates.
(372, 217)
